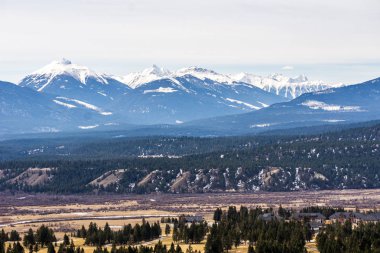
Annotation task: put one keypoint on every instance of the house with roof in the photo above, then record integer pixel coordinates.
(355, 217)
(269, 217)
(191, 218)
(315, 220)
(372, 217)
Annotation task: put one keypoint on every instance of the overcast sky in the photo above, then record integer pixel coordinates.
(330, 40)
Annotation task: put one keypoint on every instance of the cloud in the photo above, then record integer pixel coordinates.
(287, 67)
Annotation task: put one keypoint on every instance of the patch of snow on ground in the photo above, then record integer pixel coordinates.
(243, 103)
(318, 105)
(161, 90)
(260, 125)
(86, 105)
(88, 127)
(64, 104)
(333, 120)
(262, 104)
(101, 93)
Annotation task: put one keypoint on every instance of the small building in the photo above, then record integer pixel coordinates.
(269, 217)
(372, 217)
(355, 218)
(342, 217)
(191, 218)
(315, 220)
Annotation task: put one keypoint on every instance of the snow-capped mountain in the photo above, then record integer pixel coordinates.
(284, 86)
(136, 79)
(177, 99)
(42, 78)
(69, 81)
(68, 96)
(204, 74)
(153, 96)
(346, 104)
(278, 84)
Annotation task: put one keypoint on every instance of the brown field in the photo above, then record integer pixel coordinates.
(65, 213)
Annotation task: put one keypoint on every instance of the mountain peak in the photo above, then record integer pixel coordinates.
(202, 73)
(62, 67)
(195, 69)
(59, 67)
(300, 78)
(63, 61)
(156, 70)
(153, 73)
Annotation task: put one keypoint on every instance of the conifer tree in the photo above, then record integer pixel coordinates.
(50, 248)
(167, 229)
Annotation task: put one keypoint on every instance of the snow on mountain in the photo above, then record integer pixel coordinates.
(159, 96)
(243, 103)
(80, 103)
(161, 90)
(65, 79)
(203, 74)
(63, 67)
(278, 84)
(185, 97)
(136, 79)
(284, 86)
(318, 105)
(354, 103)
(42, 79)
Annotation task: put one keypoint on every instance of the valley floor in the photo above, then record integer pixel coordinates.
(64, 213)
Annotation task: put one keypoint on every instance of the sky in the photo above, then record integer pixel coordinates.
(335, 41)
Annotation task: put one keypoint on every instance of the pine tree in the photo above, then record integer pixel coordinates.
(29, 238)
(167, 229)
(36, 248)
(172, 248)
(107, 233)
(178, 249)
(3, 236)
(251, 249)
(66, 240)
(2, 246)
(50, 248)
(213, 243)
(218, 214)
(15, 236)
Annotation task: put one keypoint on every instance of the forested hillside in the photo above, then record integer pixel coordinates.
(339, 160)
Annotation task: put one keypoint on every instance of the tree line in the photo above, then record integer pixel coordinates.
(95, 235)
(33, 241)
(342, 238)
(157, 248)
(193, 233)
(234, 227)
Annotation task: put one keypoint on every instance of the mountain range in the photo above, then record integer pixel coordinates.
(349, 104)
(63, 96)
